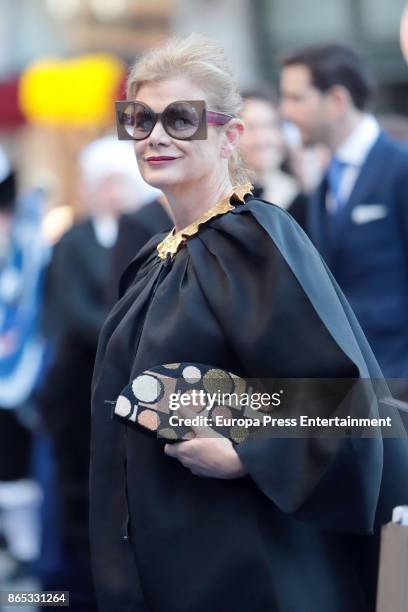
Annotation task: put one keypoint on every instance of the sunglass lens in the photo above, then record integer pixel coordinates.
(137, 120)
(181, 120)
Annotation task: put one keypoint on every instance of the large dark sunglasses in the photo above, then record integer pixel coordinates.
(183, 120)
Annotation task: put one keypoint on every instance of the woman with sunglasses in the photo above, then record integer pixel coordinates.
(225, 522)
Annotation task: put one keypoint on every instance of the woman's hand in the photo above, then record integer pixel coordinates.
(209, 455)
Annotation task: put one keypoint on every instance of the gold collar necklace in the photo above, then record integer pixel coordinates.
(175, 240)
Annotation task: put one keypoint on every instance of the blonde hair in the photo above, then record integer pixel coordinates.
(203, 61)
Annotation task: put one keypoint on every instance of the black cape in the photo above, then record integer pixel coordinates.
(248, 294)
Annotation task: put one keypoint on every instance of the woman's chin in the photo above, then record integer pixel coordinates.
(160, 180)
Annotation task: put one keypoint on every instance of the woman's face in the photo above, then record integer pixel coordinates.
(166, 162)
(262, 145)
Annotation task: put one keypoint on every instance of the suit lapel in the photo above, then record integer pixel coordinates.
(366, 179)
(369, 173)
(316, 219)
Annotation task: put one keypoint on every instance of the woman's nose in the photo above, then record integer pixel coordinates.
(159, 135)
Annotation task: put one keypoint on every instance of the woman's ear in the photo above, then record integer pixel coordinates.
(231, 136)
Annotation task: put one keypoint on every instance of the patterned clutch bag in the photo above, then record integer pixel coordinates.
(215, 399)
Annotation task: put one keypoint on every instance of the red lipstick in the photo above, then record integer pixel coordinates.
(160, 159)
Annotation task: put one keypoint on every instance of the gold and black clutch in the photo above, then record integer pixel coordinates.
(216, 400)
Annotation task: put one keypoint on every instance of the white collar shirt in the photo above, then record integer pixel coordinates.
(353, 153)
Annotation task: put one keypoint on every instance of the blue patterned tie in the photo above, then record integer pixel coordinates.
(334, 176)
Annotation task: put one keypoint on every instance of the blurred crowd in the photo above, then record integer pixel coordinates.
(313, 148)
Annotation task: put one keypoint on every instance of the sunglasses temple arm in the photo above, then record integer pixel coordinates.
(214, 118)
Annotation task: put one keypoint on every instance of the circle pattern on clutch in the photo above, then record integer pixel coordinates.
(123, 406)
(147, 388)
(148, 400)
(191, 374)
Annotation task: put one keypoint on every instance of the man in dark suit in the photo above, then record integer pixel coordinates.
(75, 309)
(134, 230)
(358, 216)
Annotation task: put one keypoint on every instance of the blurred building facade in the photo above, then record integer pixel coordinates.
(254, 33)
(370, 26)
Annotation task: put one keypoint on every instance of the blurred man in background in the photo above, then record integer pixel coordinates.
(75, 309)
(135, 230)
(358, 216)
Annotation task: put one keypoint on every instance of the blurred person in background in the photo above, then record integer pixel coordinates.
(135, 229)
(22, 261)
(358, 215)
(265, 152)
(74, 312)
